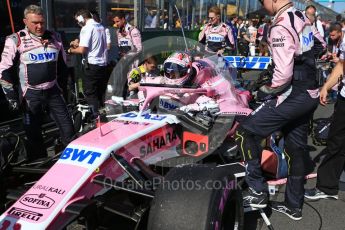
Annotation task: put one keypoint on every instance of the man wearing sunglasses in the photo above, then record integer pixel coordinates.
(288, 102)
(216, 34)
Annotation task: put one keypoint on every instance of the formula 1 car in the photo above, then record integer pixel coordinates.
(145, 170)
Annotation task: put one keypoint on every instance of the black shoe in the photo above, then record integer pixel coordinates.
(255, 199)
(293, 213)
(315, 194)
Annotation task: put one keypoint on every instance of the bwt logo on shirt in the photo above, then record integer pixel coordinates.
(42, 57)
(214, 38)
(309, 39)
(124, 43)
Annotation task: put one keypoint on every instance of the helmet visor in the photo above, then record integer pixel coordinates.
(174, 71)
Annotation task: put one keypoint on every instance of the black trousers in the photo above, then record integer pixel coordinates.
(243, 48)
(292, 118)
(94, 86)
(331, 167)
(51, 100)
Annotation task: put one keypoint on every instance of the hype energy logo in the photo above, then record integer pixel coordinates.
(49, 56)
(241, 62)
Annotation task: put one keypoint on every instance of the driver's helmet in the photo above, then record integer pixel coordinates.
(177, 68)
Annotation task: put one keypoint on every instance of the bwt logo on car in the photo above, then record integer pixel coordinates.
(80, 155)
(40, 201)
(42, 57)
(167, 105)
(145, 116)
(248, 62)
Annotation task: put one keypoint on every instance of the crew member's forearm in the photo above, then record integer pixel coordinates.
(335, 75)
(78, 50)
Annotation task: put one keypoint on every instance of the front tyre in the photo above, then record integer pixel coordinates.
(197, 197)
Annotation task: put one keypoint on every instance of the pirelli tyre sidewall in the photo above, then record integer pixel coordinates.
(213, 202)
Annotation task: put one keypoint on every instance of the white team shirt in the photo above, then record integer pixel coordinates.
(107, 35)
(342, 57)
(93, 36)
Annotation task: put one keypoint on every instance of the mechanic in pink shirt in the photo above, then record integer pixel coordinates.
(130, 47)
(31, 63)
(216, 34)
(288, 103)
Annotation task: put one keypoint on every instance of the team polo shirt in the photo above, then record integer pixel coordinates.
(93, 36)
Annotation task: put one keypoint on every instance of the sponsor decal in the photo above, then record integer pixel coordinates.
(49, 189)
(28, 42)
(153, 117)
(278, 45)
(248, 62)
(157, 143)
(167, 105)
(40, 201)
(42, 56)
(258, 109)
(215, 38)
(79, 155)
(308, 39)
(22, 213)
(123, 43)
(281, 39)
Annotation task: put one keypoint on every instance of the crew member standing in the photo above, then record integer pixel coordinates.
(38, 56)
(130, 47)
(289, 101)
(93, 46)
(332, 166)
(216, 35)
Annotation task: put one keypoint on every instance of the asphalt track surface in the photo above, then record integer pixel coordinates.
(317, 215)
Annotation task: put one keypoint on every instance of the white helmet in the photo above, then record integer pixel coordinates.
(177, 68)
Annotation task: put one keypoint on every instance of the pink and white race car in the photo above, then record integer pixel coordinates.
(146, 169)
